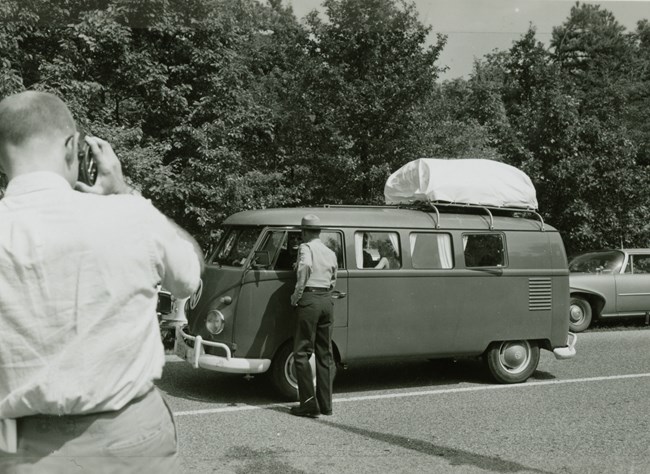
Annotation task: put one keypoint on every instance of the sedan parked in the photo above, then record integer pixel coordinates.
(608, 283)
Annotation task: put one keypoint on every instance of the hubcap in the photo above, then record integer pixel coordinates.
(515, 356)
(576, 313)
(290, 370)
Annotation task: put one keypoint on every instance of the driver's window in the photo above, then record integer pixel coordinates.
(288, 254)
(272, 243)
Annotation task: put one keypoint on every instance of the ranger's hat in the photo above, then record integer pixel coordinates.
(310, 221)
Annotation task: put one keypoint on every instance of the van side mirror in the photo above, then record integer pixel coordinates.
(261, 259)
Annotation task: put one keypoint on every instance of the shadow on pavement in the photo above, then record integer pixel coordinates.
(455, 457)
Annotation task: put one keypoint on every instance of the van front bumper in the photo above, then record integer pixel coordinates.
(199, 359)
(569, 350)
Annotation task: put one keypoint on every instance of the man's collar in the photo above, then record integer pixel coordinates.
(36, 181)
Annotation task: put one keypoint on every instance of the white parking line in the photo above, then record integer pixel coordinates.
(419, 393)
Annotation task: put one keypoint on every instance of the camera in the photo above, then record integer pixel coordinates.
(87, 166)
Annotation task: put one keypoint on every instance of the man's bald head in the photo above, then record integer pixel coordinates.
(37, 133)
(33, 114)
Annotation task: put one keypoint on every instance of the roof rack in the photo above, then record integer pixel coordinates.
(427, 205)
(488, 210)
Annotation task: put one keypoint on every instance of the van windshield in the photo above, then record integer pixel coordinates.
(235, 246)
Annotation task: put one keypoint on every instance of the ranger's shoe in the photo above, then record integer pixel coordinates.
(305, 410)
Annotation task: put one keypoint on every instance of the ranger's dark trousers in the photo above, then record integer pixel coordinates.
(315, 320)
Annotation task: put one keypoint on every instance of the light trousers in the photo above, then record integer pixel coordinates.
(139, 438)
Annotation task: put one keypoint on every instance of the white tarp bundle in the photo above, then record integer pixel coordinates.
(461, 181)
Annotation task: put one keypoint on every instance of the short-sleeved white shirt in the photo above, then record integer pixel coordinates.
(78, 293)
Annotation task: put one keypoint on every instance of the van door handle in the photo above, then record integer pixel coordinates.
(338, 295)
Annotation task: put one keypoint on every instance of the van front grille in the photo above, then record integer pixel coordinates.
(540, 294)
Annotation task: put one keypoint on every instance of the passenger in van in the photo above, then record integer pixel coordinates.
(368, 261)
(388, 258)
(288, 256)
(315, 279)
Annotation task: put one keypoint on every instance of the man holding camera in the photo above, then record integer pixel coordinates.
(79, 341)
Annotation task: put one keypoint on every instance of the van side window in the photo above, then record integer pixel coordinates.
(334, 240)
(484, 250)
(431, 250)
(377, 250)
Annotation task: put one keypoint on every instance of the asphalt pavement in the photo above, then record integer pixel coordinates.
(585, 415)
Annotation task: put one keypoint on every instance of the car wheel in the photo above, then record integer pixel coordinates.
(579, 314)
(512, 361)
(283, 372)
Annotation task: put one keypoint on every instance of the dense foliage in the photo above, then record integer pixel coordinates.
(215, 106)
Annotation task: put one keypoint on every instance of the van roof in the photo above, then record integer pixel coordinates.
(382, 217)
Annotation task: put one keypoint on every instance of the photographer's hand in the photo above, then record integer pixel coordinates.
(109, 170)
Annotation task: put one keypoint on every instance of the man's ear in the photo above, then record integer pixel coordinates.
(71, 149)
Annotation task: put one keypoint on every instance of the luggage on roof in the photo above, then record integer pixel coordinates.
(461, 181)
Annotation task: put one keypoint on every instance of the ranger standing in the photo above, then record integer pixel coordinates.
(312, 298)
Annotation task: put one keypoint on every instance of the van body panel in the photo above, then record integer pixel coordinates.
(439, 313)
(561, 296)
(265, 319)
(216, 283)
(389, 318)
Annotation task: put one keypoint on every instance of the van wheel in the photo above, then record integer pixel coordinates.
(579, 314)
(283, 372)
(512, 361)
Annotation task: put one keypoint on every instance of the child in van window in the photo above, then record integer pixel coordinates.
(388, 257)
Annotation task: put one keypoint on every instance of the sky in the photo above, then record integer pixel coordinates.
(477, 27)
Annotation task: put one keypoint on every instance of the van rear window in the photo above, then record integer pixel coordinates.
(431, 250)
(484, 250)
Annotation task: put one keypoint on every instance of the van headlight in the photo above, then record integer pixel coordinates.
(215, 322)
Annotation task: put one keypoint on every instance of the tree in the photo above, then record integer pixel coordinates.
(581, 162)
(370, 72)
(448, 128)
(596, 54)
(187, 91)
(637, 114)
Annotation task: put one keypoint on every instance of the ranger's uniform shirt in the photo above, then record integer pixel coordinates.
(317, 266)
(78, 277)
